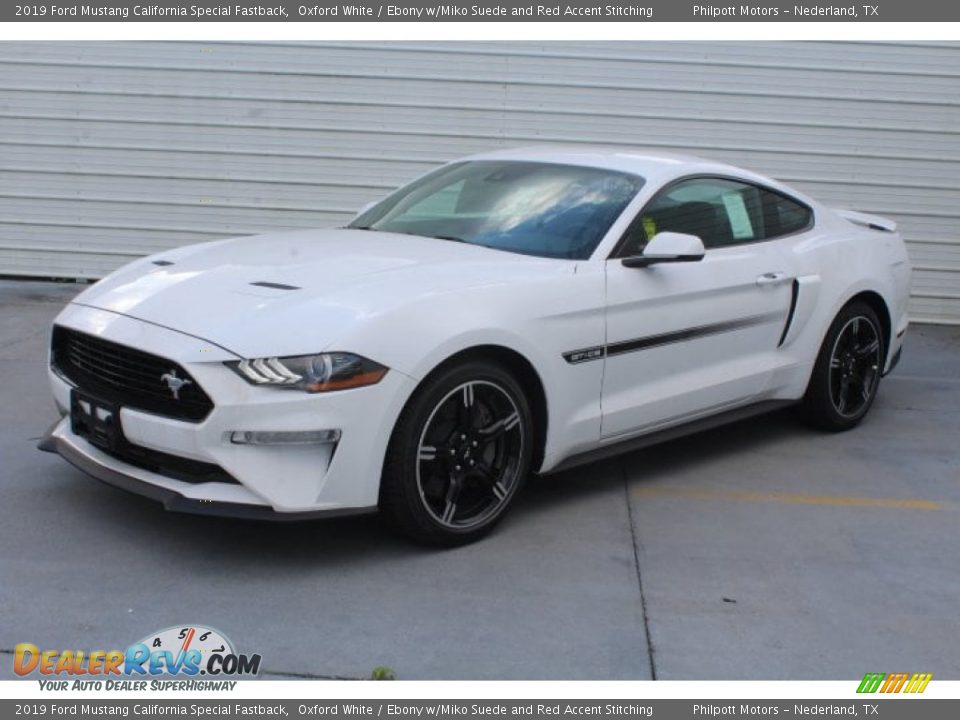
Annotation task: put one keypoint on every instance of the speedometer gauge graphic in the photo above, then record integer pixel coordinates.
(179, 649)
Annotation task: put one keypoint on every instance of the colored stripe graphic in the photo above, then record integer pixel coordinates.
(918, 683)
(871, 682)
(895, 682)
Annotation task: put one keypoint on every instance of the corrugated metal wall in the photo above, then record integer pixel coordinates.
(113, 150)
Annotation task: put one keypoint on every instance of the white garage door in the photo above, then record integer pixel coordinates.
(109, 151)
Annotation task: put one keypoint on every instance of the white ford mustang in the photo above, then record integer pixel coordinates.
(514, 312)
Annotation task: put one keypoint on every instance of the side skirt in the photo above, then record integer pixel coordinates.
(670, 433)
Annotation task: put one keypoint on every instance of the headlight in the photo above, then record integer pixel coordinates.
(311, 373)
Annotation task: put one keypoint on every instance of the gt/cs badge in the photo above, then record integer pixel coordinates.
(579, 356)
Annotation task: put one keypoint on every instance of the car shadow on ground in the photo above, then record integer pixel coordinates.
(343, 541)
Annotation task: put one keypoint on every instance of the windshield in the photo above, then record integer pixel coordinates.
(557, 211)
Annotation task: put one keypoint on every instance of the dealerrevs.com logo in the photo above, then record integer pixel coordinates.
(185, 651)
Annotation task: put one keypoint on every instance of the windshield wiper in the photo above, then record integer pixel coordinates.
(451, 238)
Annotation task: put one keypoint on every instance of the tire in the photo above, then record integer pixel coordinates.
(459, 454)
(847, 372)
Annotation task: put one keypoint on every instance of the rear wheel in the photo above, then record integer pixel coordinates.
(458, 455)
(847, 372)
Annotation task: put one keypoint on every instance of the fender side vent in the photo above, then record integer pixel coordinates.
(275, 286)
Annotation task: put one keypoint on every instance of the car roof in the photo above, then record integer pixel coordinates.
(652, 165)
(633, 160)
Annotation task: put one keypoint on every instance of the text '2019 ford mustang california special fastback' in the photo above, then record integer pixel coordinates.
(515, 312)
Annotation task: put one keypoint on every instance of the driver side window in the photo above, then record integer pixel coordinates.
(720, 212)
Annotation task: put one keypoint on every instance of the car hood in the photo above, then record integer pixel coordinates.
(296, 292)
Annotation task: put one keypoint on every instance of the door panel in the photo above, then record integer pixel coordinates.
(688, 339)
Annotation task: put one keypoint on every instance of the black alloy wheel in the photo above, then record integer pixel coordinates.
(469, 454)
(460, 451)
(847, 372)
(855, 366)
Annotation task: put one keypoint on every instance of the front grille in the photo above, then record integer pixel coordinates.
(127, 377)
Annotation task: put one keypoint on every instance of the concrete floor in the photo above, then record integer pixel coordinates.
(761, 550)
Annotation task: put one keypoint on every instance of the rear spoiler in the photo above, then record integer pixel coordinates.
(874, 222)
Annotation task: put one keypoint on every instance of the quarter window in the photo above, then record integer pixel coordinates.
(782, 216)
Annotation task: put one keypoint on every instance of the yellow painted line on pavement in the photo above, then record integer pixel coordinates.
(788, 498)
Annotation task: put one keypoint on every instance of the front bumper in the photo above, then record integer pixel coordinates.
(173, 495)
(280, 482)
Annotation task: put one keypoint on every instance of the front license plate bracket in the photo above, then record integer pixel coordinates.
(95, 420)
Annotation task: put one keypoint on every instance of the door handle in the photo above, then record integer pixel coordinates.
(773, 278)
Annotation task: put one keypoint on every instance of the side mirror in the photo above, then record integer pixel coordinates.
(668, 247)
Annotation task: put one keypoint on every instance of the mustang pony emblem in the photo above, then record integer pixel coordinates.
(174, 383)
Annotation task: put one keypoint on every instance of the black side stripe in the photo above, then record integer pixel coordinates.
(628, 346)
(274, 286)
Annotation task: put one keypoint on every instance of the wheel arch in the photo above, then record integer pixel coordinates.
(817, 404)
(521, 368)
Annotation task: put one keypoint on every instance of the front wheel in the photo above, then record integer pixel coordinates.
(458, 455)
(847, 372)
